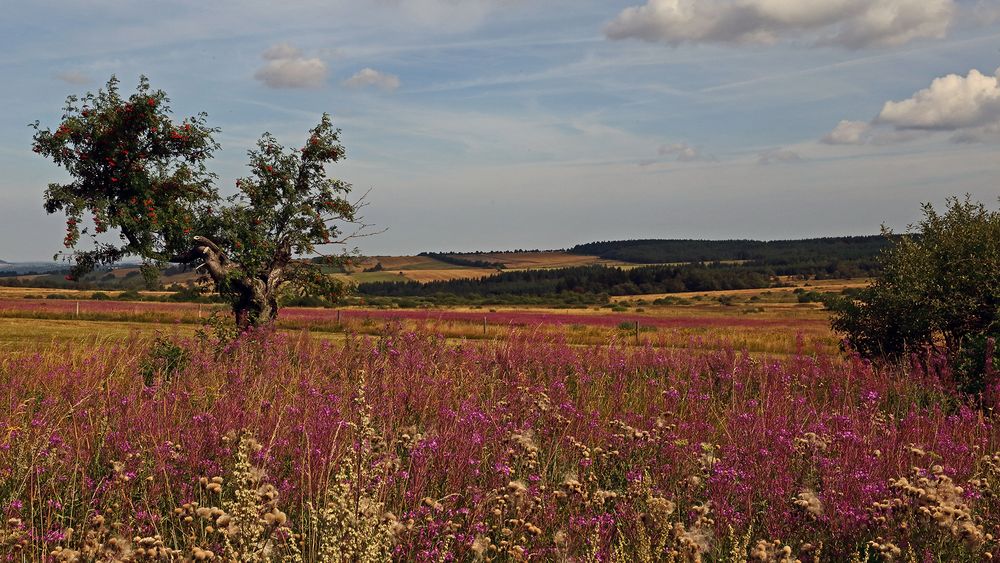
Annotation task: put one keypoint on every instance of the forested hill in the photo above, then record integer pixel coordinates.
(775, 252)
(581, 280)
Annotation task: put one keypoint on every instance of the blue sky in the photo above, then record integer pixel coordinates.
(501, 124)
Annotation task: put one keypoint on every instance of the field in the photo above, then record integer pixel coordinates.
(713, 432)
(427, 268)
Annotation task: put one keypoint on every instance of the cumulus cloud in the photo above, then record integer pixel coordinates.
(288, 67)
(371, 77)
(966, 106)
(848, 133)
(951, 102)
(777, 156)
(73, 77)
(853, 24)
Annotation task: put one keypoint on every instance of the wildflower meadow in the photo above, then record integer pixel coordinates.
(407, 445)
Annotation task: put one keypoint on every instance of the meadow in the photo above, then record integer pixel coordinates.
(133, 432)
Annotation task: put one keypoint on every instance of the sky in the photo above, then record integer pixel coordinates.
(540, 124)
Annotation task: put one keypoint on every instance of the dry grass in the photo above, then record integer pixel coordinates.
(813, 285)
(454, 273)
(540, 260)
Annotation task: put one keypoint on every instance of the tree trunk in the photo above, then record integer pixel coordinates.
(257, 304)
(254, 300)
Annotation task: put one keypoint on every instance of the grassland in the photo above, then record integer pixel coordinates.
(414, 436)
(774, 323)
(706, 426)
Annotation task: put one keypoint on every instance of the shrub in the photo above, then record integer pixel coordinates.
(939, 290)
(165, 358)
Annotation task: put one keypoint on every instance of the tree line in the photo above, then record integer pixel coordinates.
(772, 253)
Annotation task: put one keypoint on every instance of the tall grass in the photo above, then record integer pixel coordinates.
(280, 446)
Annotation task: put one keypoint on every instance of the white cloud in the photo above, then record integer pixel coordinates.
(778, 156)
(966, 106)
(849, 133)
(287, 67)
(684, 152)
(73, 77)
(371, 77)
(853, 24)
(951, 102)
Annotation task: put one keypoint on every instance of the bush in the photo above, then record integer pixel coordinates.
(939, 290)
(129, 295)
(164, 358)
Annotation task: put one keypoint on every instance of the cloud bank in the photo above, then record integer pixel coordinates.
(853, 24)
(287, 67)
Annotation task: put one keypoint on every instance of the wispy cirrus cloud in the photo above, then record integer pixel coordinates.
(853, 24)
(73, 77)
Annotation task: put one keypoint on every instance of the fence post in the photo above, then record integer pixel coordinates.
(77, 309)
(484, 325)
(637, 333)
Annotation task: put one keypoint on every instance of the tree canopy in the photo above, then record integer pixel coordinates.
(138, 173)
(939, 288)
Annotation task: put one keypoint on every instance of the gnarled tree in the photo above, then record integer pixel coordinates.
(138, 173)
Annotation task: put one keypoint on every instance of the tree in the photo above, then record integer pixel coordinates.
(138, 173)
(939, 288)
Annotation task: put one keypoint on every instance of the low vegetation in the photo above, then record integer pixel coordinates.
(274, 448)
(938, 290)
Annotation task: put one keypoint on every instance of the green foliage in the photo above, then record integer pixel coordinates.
(584, 283)
(133, 169)
(939, 288)
(287, 207)
(130, 295)
(832, 257)
(165, 358)
(139, 173)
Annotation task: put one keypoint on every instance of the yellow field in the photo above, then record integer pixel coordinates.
(455, 273)
(813, 285)
(537, 260)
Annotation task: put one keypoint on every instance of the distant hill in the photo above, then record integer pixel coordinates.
(775, 252)
(638, 267)
(4, 262)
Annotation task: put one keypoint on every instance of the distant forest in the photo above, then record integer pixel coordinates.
(580, 279)
(775, 252)
(694, 265)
